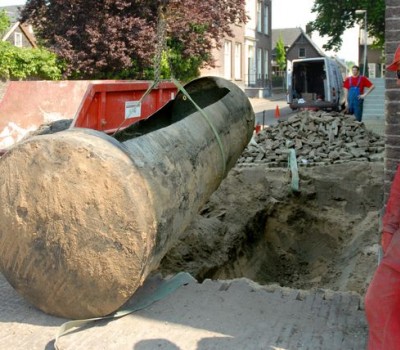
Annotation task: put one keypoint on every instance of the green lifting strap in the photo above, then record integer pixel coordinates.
(166, 288)
(221, 147)
(292, 164)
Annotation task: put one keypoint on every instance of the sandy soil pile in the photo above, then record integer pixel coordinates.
(324, 236)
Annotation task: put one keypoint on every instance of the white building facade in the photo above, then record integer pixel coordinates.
(245, 57)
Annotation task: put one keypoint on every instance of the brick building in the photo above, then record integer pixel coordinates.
(392, 95)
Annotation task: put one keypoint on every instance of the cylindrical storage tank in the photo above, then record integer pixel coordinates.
(85, 217)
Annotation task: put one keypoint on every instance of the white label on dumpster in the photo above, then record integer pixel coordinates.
(133, 109)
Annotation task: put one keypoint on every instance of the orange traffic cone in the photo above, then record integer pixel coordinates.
(277, 112)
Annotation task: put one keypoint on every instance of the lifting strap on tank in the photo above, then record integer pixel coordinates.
(292, 164)
(160, 49)
(207, 119)
(165, 288)
(157, 60)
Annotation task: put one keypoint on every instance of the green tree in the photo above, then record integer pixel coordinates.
(26, 63)
(280, 54)
(4, 23)
(118, 38)
(349, 65)
(335, 16)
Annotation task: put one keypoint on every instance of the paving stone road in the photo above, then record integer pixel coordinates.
(235, 315)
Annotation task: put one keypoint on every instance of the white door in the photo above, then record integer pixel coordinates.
(289, 93)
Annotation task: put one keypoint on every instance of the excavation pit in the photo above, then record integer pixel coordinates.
(254, 226)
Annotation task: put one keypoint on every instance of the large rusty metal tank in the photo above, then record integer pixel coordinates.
(85, 217)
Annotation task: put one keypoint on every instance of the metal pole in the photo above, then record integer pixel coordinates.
(359, 12)
(263, 118)
(365, 43)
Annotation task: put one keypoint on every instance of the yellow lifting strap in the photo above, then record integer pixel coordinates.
(162, 47)
(165, 287)
(157, 60)
(207, 119)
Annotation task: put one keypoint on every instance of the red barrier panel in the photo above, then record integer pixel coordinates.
(28, 104)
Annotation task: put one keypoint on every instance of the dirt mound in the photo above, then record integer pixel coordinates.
(325, 235)
(254, 226)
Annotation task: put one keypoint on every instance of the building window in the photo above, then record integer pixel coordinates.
(238, 61)
(372, 70)
(266, 64)
(259, 17)
(18, 39)
(302, 52)
(251, 68)
(259, 64)
(228, 60)
(266, 19)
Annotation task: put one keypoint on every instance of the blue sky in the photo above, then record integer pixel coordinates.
(11, 2)
(300, 14)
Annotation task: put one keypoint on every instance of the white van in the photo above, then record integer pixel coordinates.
(315, 83)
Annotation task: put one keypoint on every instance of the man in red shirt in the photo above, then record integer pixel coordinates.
(354, 92)
(382, 301)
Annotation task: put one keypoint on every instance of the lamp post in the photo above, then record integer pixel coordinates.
(364, 12)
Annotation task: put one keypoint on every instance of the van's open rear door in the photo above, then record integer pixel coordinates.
(289, 92)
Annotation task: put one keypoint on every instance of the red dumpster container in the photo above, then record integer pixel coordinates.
(108, 106)
(103, 105)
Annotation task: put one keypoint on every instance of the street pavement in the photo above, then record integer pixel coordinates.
(265, 112)
(265, 109)
(221, 315)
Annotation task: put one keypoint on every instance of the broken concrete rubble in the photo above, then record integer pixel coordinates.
(319, 138)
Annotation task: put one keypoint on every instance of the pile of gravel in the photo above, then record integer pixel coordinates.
(318, 138)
